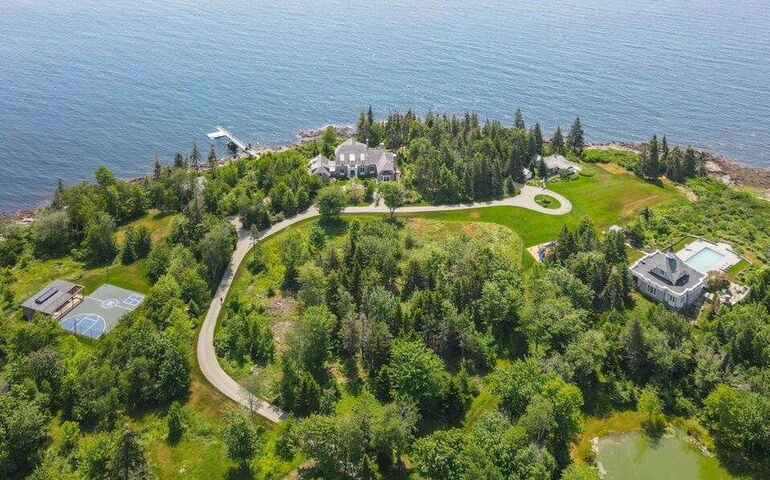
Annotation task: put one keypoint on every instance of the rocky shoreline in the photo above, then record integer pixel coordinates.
(725, 169)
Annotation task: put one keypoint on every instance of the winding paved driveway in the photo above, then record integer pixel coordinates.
(207, 357)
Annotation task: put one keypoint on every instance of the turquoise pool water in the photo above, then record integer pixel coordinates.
(704, 260)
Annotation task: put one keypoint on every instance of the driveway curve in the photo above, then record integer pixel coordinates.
(207, 357)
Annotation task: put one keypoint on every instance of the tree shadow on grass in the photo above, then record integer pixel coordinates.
(239, 472)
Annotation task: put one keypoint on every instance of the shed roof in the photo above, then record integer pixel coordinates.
(52, 297)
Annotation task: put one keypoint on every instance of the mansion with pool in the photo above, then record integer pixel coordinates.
(677, 279)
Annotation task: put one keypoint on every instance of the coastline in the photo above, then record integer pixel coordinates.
(729, 171)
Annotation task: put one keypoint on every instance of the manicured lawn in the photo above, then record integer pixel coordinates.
(605, 198)
(547, 201)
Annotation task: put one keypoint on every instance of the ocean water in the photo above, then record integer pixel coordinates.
(115, 82)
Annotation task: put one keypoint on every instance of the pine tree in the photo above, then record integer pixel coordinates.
(565, 245)
(179, 161)
(128, 254)
(370, 116)
(156, 169)
(129, 460)
(195, 156)
(664, 151)
(542, 169)
(213, 160)
(362, 128)
(516, 169)
(635, 350)
(58, 196)
(614, 295)
(690, 163)
(575, 139)
(537, 140)
(653, 160)
(519, 121)
(674, 169)
(175, 422)
(557, 142)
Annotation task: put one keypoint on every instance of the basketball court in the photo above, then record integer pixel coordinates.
(100, 311)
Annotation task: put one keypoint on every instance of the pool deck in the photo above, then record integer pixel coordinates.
(729, 257)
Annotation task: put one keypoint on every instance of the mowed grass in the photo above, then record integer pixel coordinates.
(606, 198)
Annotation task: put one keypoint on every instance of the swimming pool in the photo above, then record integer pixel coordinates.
(704, 260)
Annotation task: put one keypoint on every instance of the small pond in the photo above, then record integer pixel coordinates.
(636, 456)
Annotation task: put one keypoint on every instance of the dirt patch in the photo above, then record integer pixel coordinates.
(613, 168)
(280, 331)
(474, 215)
(417, 223)
(469, 229)
(752, 257)
(689, 194)
(635, 205)
(281, 306)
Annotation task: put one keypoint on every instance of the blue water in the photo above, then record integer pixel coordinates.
(86, 82)
(704, 260)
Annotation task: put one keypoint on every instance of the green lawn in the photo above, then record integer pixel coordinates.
(547, 201)
(606, 198)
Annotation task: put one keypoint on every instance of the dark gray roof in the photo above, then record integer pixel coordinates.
(385, 161)
(350, 146)
(52, 297)
(668, 270)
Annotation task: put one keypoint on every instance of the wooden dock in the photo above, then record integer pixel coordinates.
(224, 133)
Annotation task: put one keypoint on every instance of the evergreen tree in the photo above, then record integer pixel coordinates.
(128, 254)
(175, 422)
(362, 128)
(179, 161)
(213, 160)
(674, 167)
(156, 169)
(614, 295)
(690, 163)
(129, 460)
(195, 156)
(557, 142)
(575, 140)
(537, 140)
(565, 245)
(58, 196)
(542, 169)
(636, 351)
(664, 151)
(519, 121)
(653, 160)
(516, 168)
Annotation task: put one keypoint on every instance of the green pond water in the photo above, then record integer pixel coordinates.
(637, 457)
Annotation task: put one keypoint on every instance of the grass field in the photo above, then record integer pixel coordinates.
(547, 201)
(605, 198)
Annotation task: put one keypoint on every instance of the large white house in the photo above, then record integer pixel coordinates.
(666, 278)
(354, 159)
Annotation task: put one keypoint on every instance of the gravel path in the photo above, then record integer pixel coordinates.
(207, 357)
